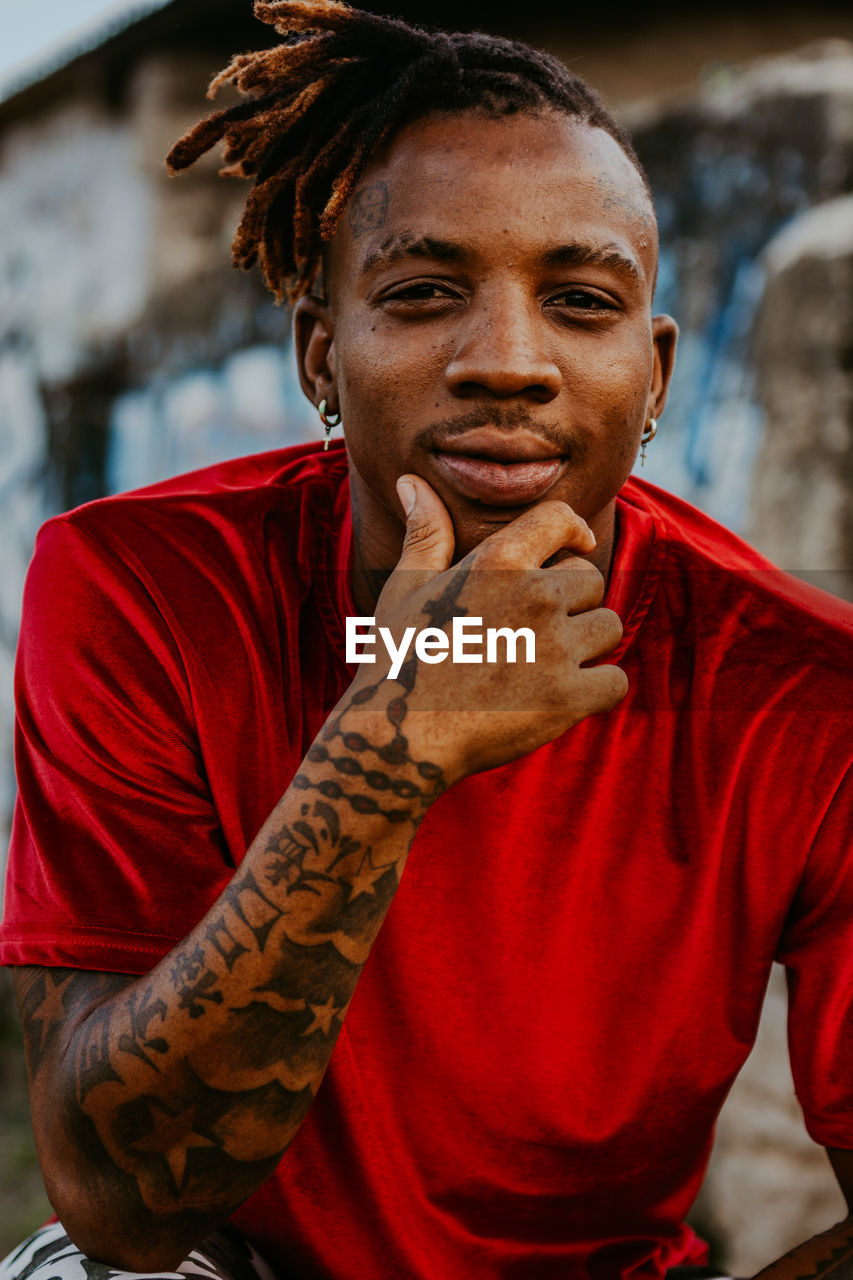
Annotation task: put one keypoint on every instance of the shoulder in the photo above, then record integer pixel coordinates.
(759, 657)
(687, 529)
(225, 494)
(719, 576)
(184, 565)
(206, 520)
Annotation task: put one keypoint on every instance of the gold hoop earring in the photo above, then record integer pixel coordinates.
(648, 436)
(328, 420)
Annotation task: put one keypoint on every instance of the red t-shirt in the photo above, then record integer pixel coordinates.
(572, 971)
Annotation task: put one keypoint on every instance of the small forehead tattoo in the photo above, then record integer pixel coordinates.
(368, 208)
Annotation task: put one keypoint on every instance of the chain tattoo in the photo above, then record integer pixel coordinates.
(187, 1085)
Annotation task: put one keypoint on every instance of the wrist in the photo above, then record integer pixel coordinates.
(374, 747)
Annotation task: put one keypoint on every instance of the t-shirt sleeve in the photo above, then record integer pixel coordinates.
(116, 846)
(817, 949)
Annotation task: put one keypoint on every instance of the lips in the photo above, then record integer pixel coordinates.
(498, 469)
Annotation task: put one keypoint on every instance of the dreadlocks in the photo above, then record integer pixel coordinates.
(321, 104)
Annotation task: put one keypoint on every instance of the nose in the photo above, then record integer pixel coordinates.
(503, 350)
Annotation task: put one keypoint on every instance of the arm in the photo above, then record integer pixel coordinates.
(817, 950)
(826, 1255)
(831, 1252)
(162, 1103)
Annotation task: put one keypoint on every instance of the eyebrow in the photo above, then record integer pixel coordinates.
(407, 245)
(573, 254)
(577, 254)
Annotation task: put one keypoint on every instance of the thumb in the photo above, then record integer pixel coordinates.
(429, 541)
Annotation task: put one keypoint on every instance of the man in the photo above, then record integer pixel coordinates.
(571, 970)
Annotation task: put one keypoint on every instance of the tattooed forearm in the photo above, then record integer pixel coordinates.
(48, 1000)
(187, 1085)
(143, 1010)
(93, 1053)
(829, 1254)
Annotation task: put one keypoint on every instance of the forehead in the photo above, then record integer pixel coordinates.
(512, 185)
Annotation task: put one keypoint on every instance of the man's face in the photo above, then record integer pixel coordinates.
(489, 322)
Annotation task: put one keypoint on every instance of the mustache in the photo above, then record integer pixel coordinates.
(503, 418)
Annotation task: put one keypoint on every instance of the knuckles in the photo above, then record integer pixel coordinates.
(611, 625)
(583, 583)
(619, 686)
(554, 519)
(611, 688)
(533, 535)
(596, 632)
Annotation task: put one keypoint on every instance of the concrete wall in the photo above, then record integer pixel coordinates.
(800, 510)
(128, 349)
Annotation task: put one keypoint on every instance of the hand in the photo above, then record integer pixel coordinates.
(473, 716)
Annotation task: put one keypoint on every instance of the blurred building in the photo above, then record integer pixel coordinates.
(130, 350)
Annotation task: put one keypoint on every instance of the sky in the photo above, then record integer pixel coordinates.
(35, 33)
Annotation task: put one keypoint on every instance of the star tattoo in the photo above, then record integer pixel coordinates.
(172, 1137)
(323, 1015)
(365, 878)
(51, 1009)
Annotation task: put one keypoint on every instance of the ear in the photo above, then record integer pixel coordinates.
(313, 337)
(664, 338)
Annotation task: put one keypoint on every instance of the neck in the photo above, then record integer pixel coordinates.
(376, 550)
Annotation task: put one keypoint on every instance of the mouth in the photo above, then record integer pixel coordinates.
(499, 469)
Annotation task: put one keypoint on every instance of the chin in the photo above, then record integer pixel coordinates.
(470, 531)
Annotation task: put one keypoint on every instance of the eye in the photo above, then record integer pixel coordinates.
(581, 300)
(421, 291)
(420, 298)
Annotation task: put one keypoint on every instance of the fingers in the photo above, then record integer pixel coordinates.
(543, 532)
(596, 633)
(429, 541)
(604, 687)
(580, 586)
